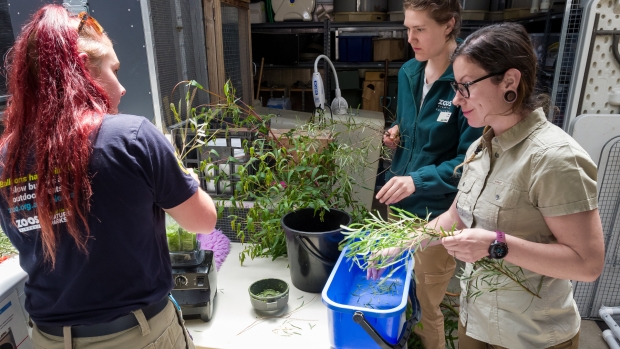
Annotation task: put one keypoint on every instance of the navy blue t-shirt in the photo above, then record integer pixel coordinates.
(135, 174)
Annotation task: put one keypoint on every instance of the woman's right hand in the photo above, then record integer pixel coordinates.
(391, 137)
(373, 273)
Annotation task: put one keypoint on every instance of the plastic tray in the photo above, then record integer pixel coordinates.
(351, 298)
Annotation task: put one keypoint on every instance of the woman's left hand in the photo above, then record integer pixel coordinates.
(469, 245)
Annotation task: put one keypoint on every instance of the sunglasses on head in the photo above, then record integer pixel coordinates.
(86, 19)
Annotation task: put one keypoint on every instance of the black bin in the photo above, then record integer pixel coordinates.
(312, 246)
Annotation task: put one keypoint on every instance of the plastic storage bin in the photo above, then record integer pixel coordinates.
(355, 48)
(220, 178)
(358, 317)
(279, 103)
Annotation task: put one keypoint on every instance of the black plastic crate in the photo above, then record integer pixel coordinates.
(224, 222)
(218, 179)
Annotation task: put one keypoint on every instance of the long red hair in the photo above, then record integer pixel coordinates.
(53, 109)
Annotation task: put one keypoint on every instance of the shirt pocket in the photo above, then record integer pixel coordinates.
(465, 200)
(500, 206)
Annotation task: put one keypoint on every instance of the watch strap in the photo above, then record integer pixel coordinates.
(501, 237)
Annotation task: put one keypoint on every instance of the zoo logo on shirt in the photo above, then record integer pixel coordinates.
(443, 107)
(23, 189)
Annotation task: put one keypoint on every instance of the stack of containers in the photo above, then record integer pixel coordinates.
(360, 10)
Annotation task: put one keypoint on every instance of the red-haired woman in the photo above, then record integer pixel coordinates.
(85, 193)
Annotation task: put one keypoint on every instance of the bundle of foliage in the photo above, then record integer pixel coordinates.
(406, 233)
(280, 171)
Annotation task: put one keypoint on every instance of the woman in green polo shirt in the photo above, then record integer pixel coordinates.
(527, 195)
(430, 137)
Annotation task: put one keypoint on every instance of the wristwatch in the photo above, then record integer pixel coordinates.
(499, 248)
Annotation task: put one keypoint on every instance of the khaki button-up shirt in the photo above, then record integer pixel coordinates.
(531, 171)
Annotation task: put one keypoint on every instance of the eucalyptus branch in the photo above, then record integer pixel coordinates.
(379, 243)
(405, 232)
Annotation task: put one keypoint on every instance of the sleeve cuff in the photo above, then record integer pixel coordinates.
(417, 182)
(573, 207)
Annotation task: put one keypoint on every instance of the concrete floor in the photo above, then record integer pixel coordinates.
(591, 336)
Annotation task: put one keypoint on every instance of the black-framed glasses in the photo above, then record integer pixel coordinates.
(463, 88)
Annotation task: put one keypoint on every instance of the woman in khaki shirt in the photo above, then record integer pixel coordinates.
(527, 194)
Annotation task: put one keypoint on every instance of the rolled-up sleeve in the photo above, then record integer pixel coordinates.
(563, 181)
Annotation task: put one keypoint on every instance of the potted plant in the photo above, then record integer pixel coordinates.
(283, 171)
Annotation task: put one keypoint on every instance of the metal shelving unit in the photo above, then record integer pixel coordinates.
(536, 23)
(328, 28)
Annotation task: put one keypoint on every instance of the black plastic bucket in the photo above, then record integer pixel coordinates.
(312, 246)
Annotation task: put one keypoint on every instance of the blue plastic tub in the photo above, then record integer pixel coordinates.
(362, 313)
(355, 48)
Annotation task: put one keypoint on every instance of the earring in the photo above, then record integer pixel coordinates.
(510, 96)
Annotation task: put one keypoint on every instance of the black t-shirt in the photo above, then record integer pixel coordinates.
(135, 174)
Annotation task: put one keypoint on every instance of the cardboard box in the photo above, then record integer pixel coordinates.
(374, 76)
(371, 95)
(512, 13)
(473, 15)
(359, 16)
(321, 140)
(390, 49)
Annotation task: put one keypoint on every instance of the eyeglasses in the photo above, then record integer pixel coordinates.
(463, 88)
(85, 18)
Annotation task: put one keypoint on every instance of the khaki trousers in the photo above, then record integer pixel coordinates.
(466, 342)
(165, 330)
(434, 268)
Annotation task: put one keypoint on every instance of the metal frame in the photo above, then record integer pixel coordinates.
(76, 6)
(599, 135)
(565, 68)
(152, 64)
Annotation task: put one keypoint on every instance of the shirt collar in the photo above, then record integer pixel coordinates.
(517, 133)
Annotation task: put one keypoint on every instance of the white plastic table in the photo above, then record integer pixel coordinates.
(235, 324)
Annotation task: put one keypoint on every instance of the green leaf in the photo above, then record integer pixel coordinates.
(196, 84)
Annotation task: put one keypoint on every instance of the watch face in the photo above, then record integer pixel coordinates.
(498, 250)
